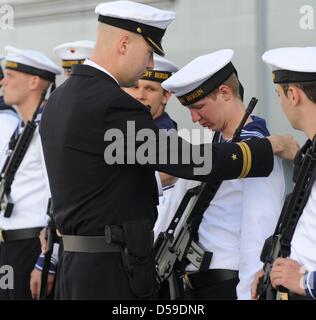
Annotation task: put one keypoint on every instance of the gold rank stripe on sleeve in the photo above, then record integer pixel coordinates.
(244, 160)
(247, 159)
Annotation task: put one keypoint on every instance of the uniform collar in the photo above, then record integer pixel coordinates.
(92, 64)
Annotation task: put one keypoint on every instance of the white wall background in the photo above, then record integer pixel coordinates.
(248, 26)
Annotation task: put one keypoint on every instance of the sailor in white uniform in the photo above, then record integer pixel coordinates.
(244, 211)
(294, 75)
(8, 121)
(27, 74)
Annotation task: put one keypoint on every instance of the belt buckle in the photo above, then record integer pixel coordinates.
(1, 235)
(108, 234)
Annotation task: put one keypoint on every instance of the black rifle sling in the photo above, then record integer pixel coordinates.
(306, 178)
(210, 188)
(27, 131)
(11, 146)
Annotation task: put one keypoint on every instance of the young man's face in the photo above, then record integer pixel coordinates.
(209, 112)
(15, 87)
(150, 93)
(286, 105)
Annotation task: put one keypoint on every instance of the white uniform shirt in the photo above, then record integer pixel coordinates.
(241, 216)
(8, 123)
(164, 212)
(303, 245)
(30, 190)
(165, 198)
(159, 185)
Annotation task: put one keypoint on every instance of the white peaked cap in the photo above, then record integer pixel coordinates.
(162, 70)
(201, 76)
(142, 19)
(30, 61)
(293, 64)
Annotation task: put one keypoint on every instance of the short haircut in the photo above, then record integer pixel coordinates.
(232, 82)
(309, 88)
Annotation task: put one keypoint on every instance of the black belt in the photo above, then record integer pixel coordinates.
(209, 278)
(19, 234)
(89, 244)
(112, 241)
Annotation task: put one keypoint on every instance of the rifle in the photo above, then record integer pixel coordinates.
(279, 244)
(51, 238)
(174, 251)
(14, 160)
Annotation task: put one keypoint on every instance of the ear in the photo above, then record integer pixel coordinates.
(123, 43)
(34, 82)
(165, 97)
(294, 95)
(225, 92)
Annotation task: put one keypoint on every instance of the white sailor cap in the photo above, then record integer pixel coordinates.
(147, 21)
(290, 65)
(74, 52)
(162, 70)
(201, 76)
(31, 62)
(1, 72)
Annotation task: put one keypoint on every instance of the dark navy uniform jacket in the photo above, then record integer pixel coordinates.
(165, 122)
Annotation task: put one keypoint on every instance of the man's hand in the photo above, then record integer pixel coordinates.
(255, 283)
(289, 274)
(284, 146)
(35, 283)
